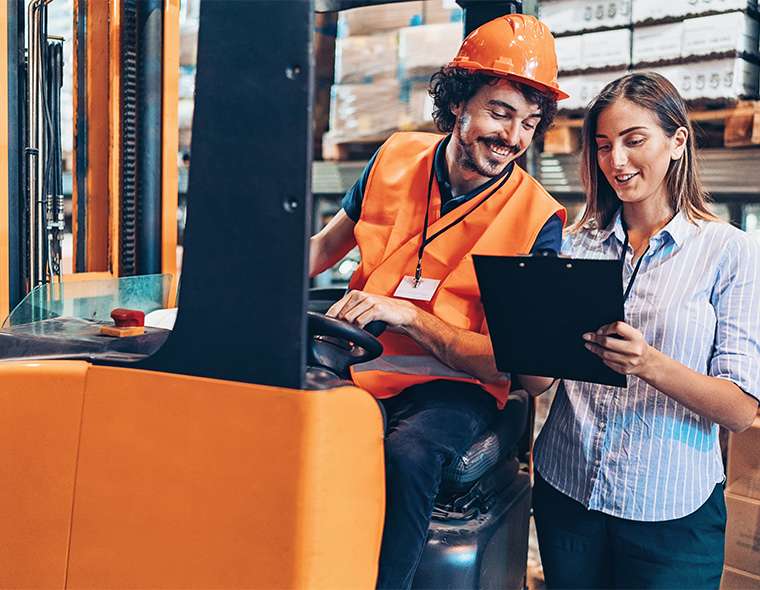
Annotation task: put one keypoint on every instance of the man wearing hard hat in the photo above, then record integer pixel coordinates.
(424, 204)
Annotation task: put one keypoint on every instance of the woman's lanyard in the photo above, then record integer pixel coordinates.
(622, 261)
(425, 239)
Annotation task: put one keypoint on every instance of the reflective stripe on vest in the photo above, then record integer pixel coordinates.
(401, 364)
(388, 234)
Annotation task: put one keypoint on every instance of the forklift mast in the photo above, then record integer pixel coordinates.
(252, 165)
(125, 83)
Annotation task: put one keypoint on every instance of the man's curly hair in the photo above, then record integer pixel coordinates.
(450, 86)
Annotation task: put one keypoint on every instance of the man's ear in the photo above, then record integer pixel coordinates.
(456, 108)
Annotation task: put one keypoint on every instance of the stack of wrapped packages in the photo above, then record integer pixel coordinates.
(384, 58)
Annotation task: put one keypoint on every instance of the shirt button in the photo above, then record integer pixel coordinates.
(597, 462)
(602, 424)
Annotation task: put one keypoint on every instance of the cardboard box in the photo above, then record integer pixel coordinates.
(562, 140)
(743, 129)
(654, 10)
(657, 43)
(701, 36)
(188, 43)
(607, 49)
(743, 533)
(366, 58)
(442, 11)
(729, 78)
(734, 579)
(719, 33)
(365, 110)
(185, 109)
(584, 87)
(423, 50)
(419, 107)
(569, 53)
(566, 16)
(376, 19)
(744, 462)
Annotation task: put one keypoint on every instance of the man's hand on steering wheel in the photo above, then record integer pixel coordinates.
(360, 308)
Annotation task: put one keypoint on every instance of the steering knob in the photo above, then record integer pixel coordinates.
(127, 322)
(127, 318)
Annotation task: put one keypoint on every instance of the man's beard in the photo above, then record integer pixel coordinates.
(492, 168)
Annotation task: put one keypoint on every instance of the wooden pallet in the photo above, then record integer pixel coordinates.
(736, 125)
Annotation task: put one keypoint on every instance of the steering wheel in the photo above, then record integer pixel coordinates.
(336, 344)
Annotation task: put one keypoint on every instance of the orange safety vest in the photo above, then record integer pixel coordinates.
(389, 233)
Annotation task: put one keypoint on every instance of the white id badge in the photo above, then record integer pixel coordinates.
(424, 290)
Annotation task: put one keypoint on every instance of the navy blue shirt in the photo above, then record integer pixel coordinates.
(548, 239)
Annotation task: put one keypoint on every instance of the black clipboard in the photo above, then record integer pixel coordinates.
(538, 308)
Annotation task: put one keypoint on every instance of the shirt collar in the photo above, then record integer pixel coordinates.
(441, 170)
(679, 229)
(614, 227)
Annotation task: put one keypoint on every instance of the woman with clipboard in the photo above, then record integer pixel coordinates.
(629, 481)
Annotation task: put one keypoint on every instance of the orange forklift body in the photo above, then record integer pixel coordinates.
(96, 456)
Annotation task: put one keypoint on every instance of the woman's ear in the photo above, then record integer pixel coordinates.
(678, 143)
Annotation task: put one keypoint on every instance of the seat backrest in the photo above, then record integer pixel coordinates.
(497, 443)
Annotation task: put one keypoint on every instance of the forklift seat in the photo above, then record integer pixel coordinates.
(478, 534)
(495, 446)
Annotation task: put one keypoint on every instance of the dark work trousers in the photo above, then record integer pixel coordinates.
(583, 548)
(428, 426)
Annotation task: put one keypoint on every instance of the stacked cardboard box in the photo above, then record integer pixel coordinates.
(384, 58)
(709, 49)
(442, 11)
(694, 42)
(720, 79)
(366, 58)
(423, 50)
(418, 106)
(360, 111)
(573, 16)
(657, 10)
(584, 87)
(743, 504)
(593, 46)
(738, 580)
(732, 32)
(591, 51)
(188, 52)
(384, 17)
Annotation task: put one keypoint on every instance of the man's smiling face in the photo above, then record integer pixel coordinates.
(493, 128)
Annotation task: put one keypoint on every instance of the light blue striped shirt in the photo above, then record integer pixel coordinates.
(634, 452)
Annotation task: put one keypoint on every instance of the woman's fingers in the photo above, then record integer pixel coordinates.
(606, 354)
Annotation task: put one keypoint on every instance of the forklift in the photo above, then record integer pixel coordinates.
(231, 451)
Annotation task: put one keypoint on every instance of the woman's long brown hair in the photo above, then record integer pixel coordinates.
(656, 94)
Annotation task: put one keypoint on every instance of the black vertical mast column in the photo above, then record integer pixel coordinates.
(242, 302)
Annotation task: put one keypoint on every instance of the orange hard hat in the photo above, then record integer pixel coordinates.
(515, 46)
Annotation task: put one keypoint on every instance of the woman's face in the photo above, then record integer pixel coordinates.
(634, 153)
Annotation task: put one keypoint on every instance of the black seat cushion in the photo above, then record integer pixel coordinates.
(497, 443)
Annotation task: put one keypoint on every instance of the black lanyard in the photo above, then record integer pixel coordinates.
(426, 240)
(622, 261)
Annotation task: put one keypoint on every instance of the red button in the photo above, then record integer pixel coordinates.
(127, 318)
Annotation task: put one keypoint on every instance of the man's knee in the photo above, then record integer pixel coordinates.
(412, 458)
